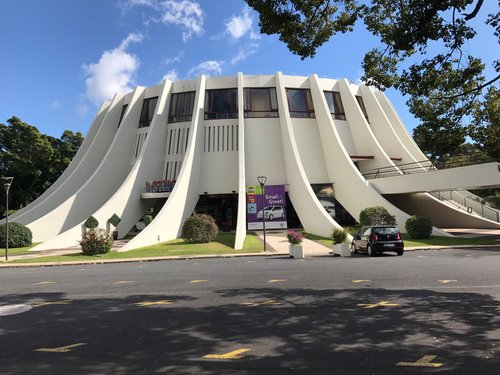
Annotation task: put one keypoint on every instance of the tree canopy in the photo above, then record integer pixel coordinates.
(422, 53)
(35, 160)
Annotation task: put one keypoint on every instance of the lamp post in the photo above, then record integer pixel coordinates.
(7, 181)
(262, 182)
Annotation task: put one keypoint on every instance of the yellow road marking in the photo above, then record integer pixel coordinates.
(45, 303)
(378, 304)
(152, 303)
(198, 281)
(446, 281)
(61, 349)
(235, 354)
(44, 282)
(277, 281)
(425, 361)
(360, 281)
(124, 282)
(256, 303)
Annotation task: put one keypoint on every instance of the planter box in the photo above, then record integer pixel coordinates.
(296, 251)
(341, 249)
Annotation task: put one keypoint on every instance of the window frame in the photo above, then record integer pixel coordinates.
(310, 113)
(210, 114)
(248, 112)
(146, 117)
(338, 106)
(361, 104)
(188, 98)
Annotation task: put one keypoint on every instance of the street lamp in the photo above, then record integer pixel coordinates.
(7, 181)
(262, 182)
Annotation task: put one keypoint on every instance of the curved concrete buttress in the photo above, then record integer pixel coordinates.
(351, 188)
(313, 216)
(79, 170)
(102, 184)
(167, 225)
(127, 202)
(241, 224)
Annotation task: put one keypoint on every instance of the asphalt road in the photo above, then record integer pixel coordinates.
(425, 312)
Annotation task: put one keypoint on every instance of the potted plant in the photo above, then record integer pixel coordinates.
(340, 245)
(295, 240)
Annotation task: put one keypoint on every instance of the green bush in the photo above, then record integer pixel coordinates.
(339, 235)
(147, 219)
(91, 223)
(114, 220)
(19, 235)
(96, 241)
(199, 228)
(418, 227)
(377, 215)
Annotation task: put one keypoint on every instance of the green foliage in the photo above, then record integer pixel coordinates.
(35, 160)
(96, 241)
(200, 228)
(418, 227)
(19, 235)
(114, 220)
(91, 223)
(377, 215)
(147, 219)
(339, 235)
(445, 84)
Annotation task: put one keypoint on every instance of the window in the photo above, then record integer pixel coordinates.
(220, 104)
(260, 102)
(124, 109)
(300, 103)
(181, 107)
(148, 111)
(335, 104)
(362, 106)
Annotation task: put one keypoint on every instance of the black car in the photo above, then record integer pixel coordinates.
(378, 239)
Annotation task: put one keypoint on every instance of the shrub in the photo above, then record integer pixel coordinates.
(200, 228)
(19, 235)
(376, 216)
(294, 237)
(147, 219)
(339, 235)
(96, 241)
(91, 223)
(418, 227)
(114, 220)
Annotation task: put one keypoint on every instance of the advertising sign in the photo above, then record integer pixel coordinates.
(273, 209)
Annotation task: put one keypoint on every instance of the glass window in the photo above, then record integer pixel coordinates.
(220, 104)
(124, 109)
(335, 104)
(362, 106)
(148, 111)
(260, 102)
(300, 103)
(181, 107)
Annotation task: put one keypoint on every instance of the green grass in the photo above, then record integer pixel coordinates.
(19, 250)
(222, 245)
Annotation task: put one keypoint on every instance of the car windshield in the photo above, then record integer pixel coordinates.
(387, 230)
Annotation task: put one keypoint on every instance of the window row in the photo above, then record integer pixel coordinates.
(257, 102)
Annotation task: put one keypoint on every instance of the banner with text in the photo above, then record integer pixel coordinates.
(273, 209)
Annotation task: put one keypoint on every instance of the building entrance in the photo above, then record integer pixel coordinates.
(222, 207)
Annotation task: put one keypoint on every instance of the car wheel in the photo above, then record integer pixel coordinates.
(353, 249)
(283, 215)
(400, 252)
(271, 217)
(370, 251)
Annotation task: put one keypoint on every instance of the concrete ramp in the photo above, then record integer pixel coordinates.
(470, 177)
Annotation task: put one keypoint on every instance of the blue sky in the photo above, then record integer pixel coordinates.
(62, 58)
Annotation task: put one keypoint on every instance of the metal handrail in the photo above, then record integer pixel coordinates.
(467, 207)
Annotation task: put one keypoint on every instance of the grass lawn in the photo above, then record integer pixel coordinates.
(19, 250)
(222, 245)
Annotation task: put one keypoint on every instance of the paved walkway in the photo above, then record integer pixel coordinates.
(278, 242)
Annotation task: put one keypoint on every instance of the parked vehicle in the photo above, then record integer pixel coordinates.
(271, 213)
(378, 239)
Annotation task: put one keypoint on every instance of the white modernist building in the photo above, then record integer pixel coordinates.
(198, 145)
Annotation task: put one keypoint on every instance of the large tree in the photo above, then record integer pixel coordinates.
(423, 54)
(35, 160)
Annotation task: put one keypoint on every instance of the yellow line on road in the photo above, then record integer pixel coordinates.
(61, 349)
(446, 281)
(44, 282)
(46, 303)
(378, 304)
(124, 282)
(359, 281)
(425, 361)
(153, 303)
(198, 281)
(257, 303)
(277, 281)
(235, 354)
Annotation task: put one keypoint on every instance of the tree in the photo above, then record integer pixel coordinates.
(35, 160)
(423, 55)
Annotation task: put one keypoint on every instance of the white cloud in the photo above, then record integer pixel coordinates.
(172, 75)
(207, 68)
(173, 60)
(239, 26)
(114, 71)
(56, 104)
(244, 52)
